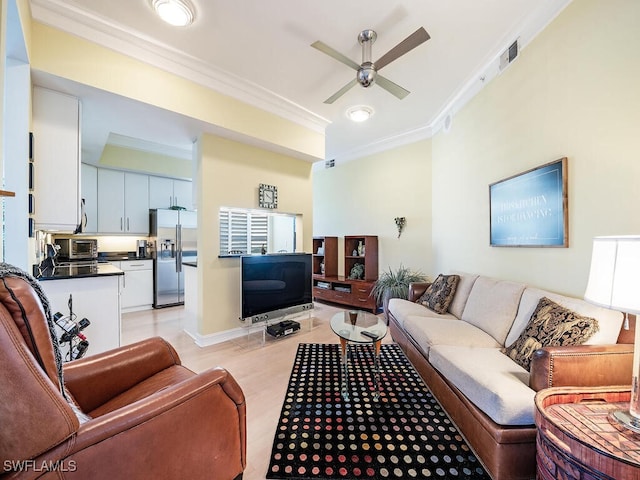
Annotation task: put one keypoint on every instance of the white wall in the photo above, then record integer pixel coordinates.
(573, 92)
(362, 197)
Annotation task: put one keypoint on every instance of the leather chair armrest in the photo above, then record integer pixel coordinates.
(581, 366)
(416, 289)
(202, 418)
(98, 378)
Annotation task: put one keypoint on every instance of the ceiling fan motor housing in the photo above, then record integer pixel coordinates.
(366, 74)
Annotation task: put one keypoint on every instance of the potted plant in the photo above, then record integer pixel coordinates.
(395, 284)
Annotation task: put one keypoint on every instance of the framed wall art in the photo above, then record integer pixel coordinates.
(530, 209)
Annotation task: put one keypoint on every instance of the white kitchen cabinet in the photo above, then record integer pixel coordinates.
(56, 153)
(137, 291)
(89, 189)
(169, 192)
(136, 203)
(182, 192)
(123, 202)
(94, 298)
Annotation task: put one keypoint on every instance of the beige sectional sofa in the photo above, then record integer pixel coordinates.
(489, 396)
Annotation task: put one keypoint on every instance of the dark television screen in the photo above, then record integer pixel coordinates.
(271, 283)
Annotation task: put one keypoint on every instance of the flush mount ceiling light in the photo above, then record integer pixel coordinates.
(359, 113)
(178, 13)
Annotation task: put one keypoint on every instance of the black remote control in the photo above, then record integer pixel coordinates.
(371, 335)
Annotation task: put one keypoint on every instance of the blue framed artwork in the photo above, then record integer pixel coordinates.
(530, 209)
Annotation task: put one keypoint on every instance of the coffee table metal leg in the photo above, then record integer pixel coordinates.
(344, 387)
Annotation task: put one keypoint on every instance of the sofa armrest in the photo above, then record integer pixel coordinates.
(95, 379)
(416, 289)
(581, 366)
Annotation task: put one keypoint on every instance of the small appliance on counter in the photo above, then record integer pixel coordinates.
(142, 249)
(77, 248)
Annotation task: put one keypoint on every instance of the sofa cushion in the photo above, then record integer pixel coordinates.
(609, 321)
(550, 325)
(439, 294)
(402, 309)
(490, 380)
(492, 306)
(429, 331)
(465, 284)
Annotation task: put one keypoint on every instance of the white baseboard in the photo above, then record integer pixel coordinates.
(218, 337)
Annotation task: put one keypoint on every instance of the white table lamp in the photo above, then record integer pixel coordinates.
(614, 282)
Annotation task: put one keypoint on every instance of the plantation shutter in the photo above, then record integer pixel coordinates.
(234, 234)
(243, 232)
(258, 232)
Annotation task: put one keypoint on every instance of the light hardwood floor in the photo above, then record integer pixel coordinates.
(261, 370)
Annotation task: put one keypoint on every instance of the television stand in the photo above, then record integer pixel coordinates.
(263, 326)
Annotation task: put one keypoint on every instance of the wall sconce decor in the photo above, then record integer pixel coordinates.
(400, 223)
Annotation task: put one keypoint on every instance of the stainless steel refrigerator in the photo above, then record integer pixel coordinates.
(174, 233)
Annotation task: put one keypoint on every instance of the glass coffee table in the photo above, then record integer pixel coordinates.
(353, 326)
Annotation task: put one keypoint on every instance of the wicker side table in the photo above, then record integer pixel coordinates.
(576, 440)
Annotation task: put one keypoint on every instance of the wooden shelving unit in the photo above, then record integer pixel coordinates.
(366, 249)
(325, 264)
(354, 292)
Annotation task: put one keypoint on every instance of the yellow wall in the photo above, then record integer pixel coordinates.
(71, 57)
(231, 172)
(574, 92)
(362, 197)
(115, 156)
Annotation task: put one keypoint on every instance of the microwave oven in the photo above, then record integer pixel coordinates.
(78, 248)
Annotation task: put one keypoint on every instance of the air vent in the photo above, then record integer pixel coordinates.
(330, 163)
(509, 55)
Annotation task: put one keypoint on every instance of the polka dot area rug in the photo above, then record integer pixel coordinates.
(404, 434)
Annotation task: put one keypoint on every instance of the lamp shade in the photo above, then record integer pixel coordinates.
(614, 278)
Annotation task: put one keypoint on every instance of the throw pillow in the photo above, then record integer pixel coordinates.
(439, 294)
(550, 325)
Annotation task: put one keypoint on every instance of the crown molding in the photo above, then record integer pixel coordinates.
(385, 143)
(101, 31)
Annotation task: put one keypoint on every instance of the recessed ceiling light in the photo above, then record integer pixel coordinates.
(359, 113)
(178, 13)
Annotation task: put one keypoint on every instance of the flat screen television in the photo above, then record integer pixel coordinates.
(275, 285)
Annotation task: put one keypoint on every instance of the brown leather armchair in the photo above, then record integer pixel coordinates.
(150, 417)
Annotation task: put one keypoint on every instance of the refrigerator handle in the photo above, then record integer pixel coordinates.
(179, 249)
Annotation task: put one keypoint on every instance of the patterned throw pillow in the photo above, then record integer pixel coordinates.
(550, 325)
(439, 294)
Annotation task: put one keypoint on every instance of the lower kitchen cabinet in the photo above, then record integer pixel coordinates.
(95, 298)
(137, 284)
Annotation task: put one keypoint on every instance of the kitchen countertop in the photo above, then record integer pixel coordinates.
(121, 256)
(77, 270)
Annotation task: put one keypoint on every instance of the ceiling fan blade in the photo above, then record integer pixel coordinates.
(341, 92)
(393, 88)
(324, 48)
(412, 41)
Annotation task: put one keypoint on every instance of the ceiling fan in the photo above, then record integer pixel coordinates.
(367, 72)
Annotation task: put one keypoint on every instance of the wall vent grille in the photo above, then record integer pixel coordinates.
(509, 55)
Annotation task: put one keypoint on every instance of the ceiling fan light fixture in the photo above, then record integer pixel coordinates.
(359, 113)
(178, 13)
